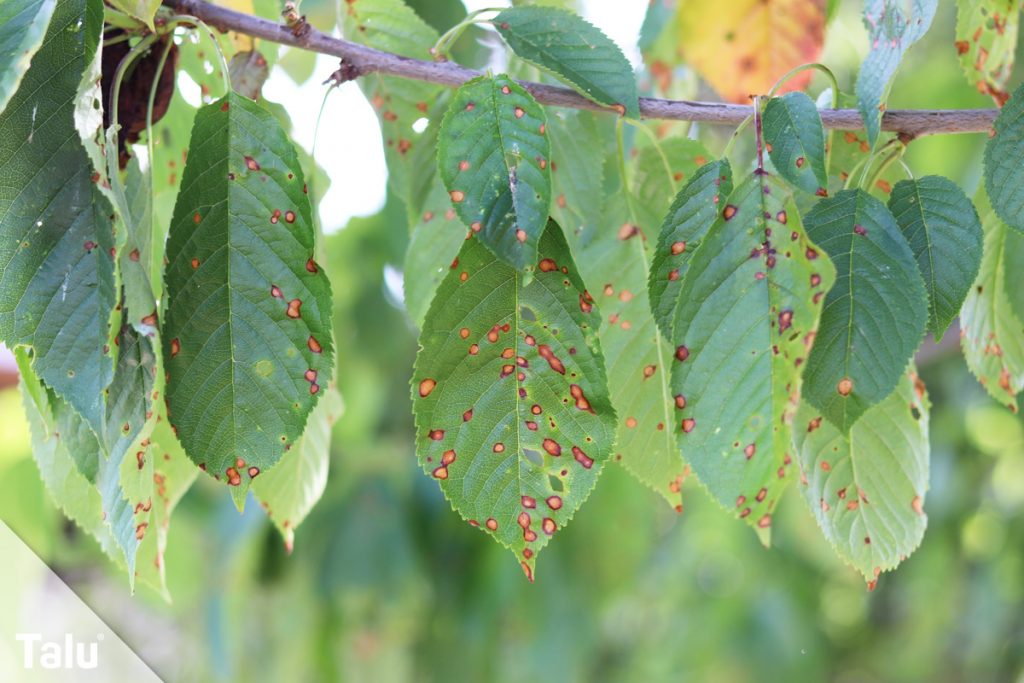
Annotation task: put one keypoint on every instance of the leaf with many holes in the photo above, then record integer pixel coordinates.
(796, 141)
(512, 412)
(575, 51)
(247, 331)
(435, 241)
(986, 40)
(392, 26)
(23, 24)
(875, 316)
(943, 230)
(743, 325)
(866, 489)
(56, 272)
(1004, 178)
(493, 158)
(289, 491)
(742, 47)
(891, 32)
(657, 172)
(691, 215)
(992, 336)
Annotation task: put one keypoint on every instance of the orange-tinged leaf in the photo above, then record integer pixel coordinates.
(742, 47)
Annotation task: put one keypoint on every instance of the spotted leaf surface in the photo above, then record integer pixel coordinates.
(1004, 179)
(247, 334)
(986, 40)
(796, 141)
(493, 157)
(992, 336)
(289, 491)
(691, 215)
(574, 50)
(56, 271)
(875, 316)
(659, 172)
(943, 230)
(511, 400)
(23, 24)
(867, 489)
(742, 47)
(433, 245)
(744, 323)
(891, 32)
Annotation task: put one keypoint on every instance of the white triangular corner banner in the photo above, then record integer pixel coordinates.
(48, 634)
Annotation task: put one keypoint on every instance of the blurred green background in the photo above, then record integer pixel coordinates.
(387, 584)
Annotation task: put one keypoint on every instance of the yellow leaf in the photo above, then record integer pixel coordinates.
(741, 47)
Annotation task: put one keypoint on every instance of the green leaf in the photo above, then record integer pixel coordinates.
(289, 491)
(575, 51)
(138, 255)
(143, 10)
(875, 316)
(986, 40)
(689, 218)
(56, 272)
(796, 141)
(743, 325)
(22, 27)
(658, 15)
(1012, 269)
(579, 149)
(867, 489)
(657, 172)
(433, 245)
(493, 158)
(891, 32)
(248, 72)
(511, 401)
(247, 330)
(943, 230)
(992, 336)
(1004, 178)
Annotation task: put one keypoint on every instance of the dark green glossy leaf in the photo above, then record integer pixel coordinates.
(796, 141)
(23, 24)
(875, 316)
(1004, 174)
(574, 50)
(943, 230)
(744, 323)
(247, 334)
(512, 412)
(493, 157)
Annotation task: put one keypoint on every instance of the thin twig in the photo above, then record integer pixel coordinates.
(361, 60)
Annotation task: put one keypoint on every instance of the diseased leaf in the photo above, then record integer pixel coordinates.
(23, 24)
(574, 50)
(1004, 178)
(248, 71)
(509, 391)
(891, 32)
(433, 245)
(579, 149)
(942, 227)
(691, 215)
(742, 47)
(867, 489)
(247, 331)
(743, 324)
(56, 271)
(1013, 267)
(289, 491)
(992, 336)
(986, 40)
(493, 158)
(658, 172)
(143, 10)
(796, 141)
(875, 316)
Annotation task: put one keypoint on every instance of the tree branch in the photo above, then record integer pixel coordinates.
(359, 60)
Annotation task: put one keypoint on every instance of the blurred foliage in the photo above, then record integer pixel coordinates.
(386, 584)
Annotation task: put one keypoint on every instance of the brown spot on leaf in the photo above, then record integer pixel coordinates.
(426, 386)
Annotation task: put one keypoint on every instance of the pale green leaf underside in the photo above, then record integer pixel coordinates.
(579, 148)
(743, 325)
(875, 316)
(1004, 174)
(1013, 272)
(658, 172)
(986, 40)
(433, 245)
(511, 401)
(890, 35)
(691, 215)
(493, 157)
(944, 233)
(796, 141)
(247, 337)
(23, 24)
(867, 489)
(574, 50)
